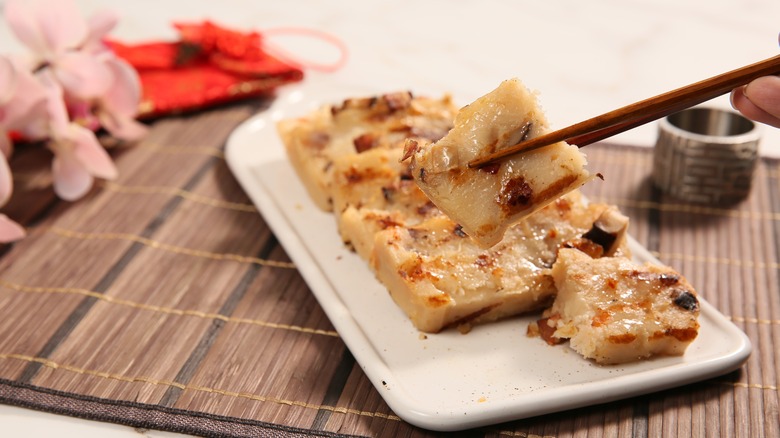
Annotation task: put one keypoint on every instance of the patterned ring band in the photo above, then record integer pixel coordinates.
(706, 155)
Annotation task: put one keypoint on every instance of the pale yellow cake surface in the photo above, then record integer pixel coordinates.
(613, 310)
(377, 179)
(486, 201)
(441, 278)
(349, 157)
(315, 140)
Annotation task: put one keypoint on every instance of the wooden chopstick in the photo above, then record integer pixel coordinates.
(639, 113)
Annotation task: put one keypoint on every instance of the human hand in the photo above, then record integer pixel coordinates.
(759, 100)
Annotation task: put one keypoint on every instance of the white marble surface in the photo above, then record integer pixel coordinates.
(584, 57)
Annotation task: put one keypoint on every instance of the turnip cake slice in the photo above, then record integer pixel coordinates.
(486, 201)
(613, 310)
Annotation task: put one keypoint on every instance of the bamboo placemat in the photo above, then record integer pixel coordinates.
(163, 301)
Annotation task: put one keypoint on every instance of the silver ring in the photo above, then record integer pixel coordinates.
(706, 155)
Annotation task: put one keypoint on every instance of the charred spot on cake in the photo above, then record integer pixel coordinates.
(624, 338)
(600, 237)
(600, 318)
(426, 208)
(402, 127)
(383, 105)
(491, 168)
(439, 300)
(336, 109)
(432, 133)
(410, 148)
(367, 102)
(429, 132)
(464, 323)
(317, 140)
(412, 270)
(685, 300)
(354, 175)
(458, 176)
(669, 279)
(458, 231)
(587, 246)
(386, 222)
(406, 174)
(666, 279)
(490, 147)
(365, 142)
(554, 189)
(646, 305)
(547, 327)
(417, 234)
(515, 193)
(648, 277)
(422, 174)
(388, 193)
(398, 101)
(524, 132)
(483, 261)
(682, 334)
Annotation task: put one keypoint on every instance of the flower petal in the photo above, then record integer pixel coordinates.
(92, 156)
(10, 231)
(82, 75)
(21, 18)
(6, 181)
(99, 25)
(71, 179)
(7, 80)
(58, 120)
(61, 24)
(122, 127)
(124, 94)
(118, 107)
(27, 103)
(6, 147)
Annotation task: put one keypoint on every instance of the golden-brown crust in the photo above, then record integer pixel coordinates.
(316, 141)
(613, 310)
(352, 156)
(487, 200)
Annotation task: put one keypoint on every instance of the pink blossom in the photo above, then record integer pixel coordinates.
(69, 87)
(9, 230)
(21, 103)
(22, 100)
(57, 35)
(116, 109)
(79, 157)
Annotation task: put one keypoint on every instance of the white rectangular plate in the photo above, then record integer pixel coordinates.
(447, 381)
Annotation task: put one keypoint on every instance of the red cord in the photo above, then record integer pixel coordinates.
(287, 56)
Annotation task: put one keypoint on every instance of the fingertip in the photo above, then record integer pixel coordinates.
(740, 101)
(765, 87)
(736, 94)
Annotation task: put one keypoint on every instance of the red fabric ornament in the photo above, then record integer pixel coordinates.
(209, 65)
